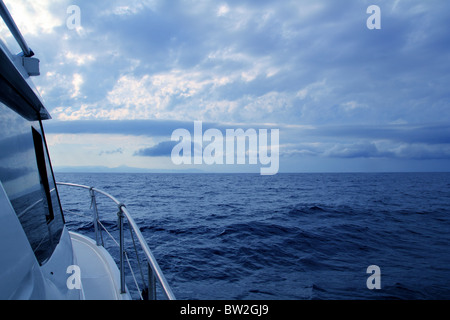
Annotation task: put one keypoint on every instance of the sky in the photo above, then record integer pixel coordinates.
(345, 98)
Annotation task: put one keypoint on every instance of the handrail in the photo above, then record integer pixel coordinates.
(123, 211)
(27, 52)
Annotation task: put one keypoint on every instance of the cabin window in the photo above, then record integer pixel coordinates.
(55, 218)
(27, 178)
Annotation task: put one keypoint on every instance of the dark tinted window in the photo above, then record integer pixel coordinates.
(26, 178)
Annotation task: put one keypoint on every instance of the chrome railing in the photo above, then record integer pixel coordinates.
(154, 270)
(4, 13)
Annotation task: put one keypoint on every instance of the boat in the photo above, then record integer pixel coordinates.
(41, 258)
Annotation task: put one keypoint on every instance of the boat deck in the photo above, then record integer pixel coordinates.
(100, 277)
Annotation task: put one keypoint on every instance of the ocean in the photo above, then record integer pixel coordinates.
(284, 237)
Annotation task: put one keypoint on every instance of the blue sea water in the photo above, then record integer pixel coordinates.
(289, 236)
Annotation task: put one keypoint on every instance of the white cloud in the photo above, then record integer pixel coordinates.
(223, 10)
(153, 96)
(38, 17)
(77, 83)
(258, 108)
(129, 7)
(352, 105)
(314, 91)
(178, 94)
(78, 58)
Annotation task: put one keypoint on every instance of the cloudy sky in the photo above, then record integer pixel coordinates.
(344, 97)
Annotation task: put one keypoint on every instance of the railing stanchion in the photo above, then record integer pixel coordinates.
(122, 248)
(94, 207)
